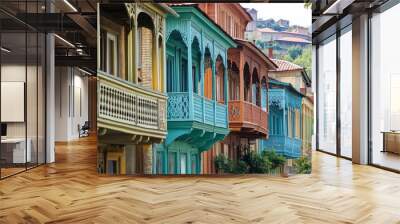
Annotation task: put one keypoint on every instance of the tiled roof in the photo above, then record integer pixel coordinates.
(253, 47)
(286, 65)
(294, 39)
(289, 66)
(267, 30)
(285, 84)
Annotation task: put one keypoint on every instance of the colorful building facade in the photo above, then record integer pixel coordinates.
(285, 104)
(197, 86)
(132, 102)
(296, 75)
(248, 83)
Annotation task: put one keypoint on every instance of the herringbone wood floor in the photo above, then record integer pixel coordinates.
(70, 191)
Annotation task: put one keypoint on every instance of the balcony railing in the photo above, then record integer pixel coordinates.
(183, 107)
(246, 112)
(290, 147)
(127, 104)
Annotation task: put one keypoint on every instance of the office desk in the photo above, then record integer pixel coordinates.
(391, 142)
(13, 150)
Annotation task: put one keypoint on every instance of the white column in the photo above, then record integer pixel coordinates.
(360, 90)
(50, 99)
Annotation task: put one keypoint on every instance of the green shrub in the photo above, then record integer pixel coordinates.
(303, 165)
(274, 159)
(239, 168)
(255, 162)
(220, 162)
(250, 162)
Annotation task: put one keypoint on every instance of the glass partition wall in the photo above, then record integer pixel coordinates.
(334, 87)
(22, 77)
(385, 89)
(334, 94)
(345, 61)
(327, 95)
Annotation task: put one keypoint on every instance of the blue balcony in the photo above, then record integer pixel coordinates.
(283, 145)
(195, 108)
(195, 117)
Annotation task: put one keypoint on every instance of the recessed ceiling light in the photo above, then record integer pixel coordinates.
(5, 50)
(64, 40)
(86, 72)
(70, 5)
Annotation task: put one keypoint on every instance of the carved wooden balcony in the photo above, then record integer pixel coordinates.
(193, 116)
(247, 118)
(202, 110)
(127, 108)
(283, 145)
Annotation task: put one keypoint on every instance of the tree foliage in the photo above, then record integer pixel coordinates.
(303, 59)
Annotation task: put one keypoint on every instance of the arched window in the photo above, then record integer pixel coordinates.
(145, 50)
(255, 86)
(176, 63)
(208, 75)
(196, 55)
(264, 94)
(233, 82)
(220, 85)
(160, 64)
(246, 73)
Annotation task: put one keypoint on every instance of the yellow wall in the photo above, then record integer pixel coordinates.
(308, 120)
(118, 154)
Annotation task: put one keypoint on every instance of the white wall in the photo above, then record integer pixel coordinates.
(16, 73)
(71, 102)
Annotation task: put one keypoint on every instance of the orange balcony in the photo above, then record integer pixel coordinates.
(247, 118)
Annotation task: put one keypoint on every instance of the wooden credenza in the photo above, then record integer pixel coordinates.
(391, 142)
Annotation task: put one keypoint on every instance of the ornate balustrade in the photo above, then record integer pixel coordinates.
(289, 147)
(246, 114)
(183, 106)
(127, 106)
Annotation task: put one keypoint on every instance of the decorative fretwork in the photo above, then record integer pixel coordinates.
(130, 8)
(126, 103)
(234, 111)
(281, 99)
(178, 106)
(162, 114)
(242, 112)
(276, 99)
(180, 26)
(160, 25)
(283, 145)
(204, 110)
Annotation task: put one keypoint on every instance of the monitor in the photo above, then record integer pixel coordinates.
(3, 129)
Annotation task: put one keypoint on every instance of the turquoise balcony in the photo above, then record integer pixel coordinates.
(289, 147)
(195, 114)
(284, 119)
(195, 108)
(197, 87)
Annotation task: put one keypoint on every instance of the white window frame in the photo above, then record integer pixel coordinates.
(113, 38)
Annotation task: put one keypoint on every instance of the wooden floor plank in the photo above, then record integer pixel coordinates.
(70, 191)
